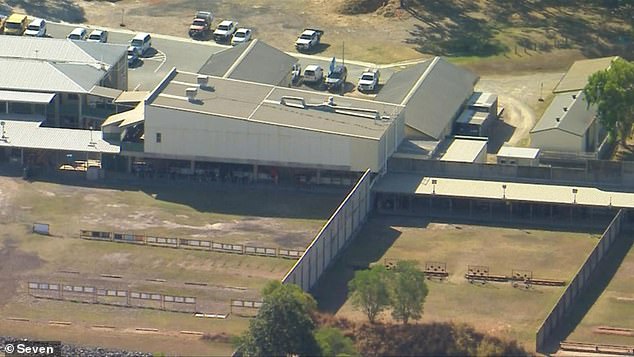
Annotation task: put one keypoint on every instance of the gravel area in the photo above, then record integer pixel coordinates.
(80, 351)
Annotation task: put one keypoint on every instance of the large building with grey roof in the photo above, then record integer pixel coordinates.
(197, 118)
(79, 78)
(433, 93)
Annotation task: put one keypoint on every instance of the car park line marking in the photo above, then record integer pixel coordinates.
(162, 62)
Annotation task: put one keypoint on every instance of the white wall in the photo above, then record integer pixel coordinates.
(557, 140)
(199, 136)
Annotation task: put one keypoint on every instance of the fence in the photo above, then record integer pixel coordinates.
(334, 236)
(187, 243)
(579, 281)
(595, 172)
(112, 296)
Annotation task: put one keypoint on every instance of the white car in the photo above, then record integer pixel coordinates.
(242, 35)
(98, 36)
(78, 34)
(37, 28)
(313, 74)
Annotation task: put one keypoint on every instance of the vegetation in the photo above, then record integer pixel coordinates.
(283, 326)
(333, 342)
(408, 291)
(369, 291)
(612, 91)
(402, 288)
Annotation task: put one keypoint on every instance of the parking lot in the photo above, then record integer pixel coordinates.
(189, 55)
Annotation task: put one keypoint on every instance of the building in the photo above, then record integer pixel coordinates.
(254, 61)
(568, 125)
(433, 93)
(466, 149)
(66, 83)
(191, 120)
(518, 156)
(577, 75)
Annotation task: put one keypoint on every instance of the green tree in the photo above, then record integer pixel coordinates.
(612, 91)
(408, 291)
(333, 343)
(369, 291)
(283, 325)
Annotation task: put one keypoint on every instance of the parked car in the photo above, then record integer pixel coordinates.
(3, 18)
(337, 77)
(98, 36)
(78, 34)
(308, 40)
(225, 30)
(37, 28)
(242, 35)
(133, 56)
(15, 24)
(369, 80)
(201, 25)
(313, 74)
(142, 42)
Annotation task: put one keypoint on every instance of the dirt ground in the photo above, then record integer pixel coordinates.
(224, 214)
(496, 308)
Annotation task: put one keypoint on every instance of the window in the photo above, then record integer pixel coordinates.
(158, 137)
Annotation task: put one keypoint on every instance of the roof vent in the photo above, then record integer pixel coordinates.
(565, 109)
(574, 96)
(191, 94)
(331, 100)
(557, 119)
(202, 80)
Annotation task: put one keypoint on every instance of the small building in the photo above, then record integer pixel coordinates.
(466, 149)
(518, 156)
(568, 125)
(473, 122)
(484, 102)
(577, 75)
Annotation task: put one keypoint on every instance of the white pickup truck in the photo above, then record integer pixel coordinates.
(225, 30)
(369, 81)
(309, 39)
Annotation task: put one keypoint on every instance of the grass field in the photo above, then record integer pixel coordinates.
(227, 214)
(496, 308)
(615, 305)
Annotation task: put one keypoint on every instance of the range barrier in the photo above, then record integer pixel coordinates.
(334, 236)
(579, 282)
(112, 296)
(187, 243)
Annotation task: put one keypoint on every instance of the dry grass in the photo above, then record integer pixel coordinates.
(495, 308)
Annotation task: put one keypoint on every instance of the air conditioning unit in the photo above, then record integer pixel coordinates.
(191, 93)
(203, 81)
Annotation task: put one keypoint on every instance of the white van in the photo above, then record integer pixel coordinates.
(37, 28)
(142, 41)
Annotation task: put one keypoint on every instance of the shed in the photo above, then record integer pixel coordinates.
(473, 122)
(512, 155)
(466, 149)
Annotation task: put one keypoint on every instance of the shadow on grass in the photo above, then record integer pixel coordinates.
(599, 281)
(60, 10)
(331, 291)
(283, 201)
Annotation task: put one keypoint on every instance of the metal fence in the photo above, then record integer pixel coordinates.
(115, 297)
(580, 281)
(187, 243)
(334, 236)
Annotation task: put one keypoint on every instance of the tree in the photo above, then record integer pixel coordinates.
(408, 291)
(333, 343)
(369, 291)
(283, 325)
(612, 91)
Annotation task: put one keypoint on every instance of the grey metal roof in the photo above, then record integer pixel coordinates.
(577, 76)
(29, 134)
(39, 76)
(436, 96)
(400, 83)
(482, 100)
(59, 50)
(26, 97)
(262, 103)
(575, 119)
(472, 116)
(255, 61)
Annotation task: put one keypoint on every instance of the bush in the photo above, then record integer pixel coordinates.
(354, 7)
